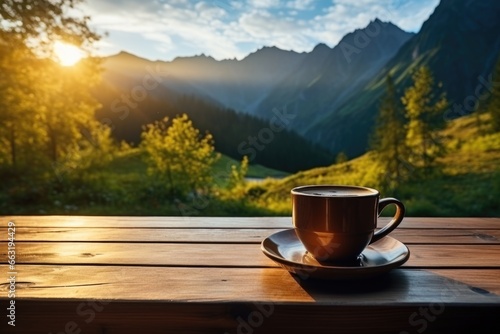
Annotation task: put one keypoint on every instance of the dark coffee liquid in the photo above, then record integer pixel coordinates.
(335, 191)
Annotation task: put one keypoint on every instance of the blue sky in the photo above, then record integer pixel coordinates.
(226, 29)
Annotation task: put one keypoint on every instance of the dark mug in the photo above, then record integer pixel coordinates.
(335, 223)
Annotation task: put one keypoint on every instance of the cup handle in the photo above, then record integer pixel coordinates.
(398, 217)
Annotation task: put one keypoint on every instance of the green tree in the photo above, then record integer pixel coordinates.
(389, 137)
(494, 103)
(237, 182)
(341, 158)
(66, 107)
(43, 107)
(237, 176)
(35, 25)
(94, 149)
(424, 109)
(179, 156)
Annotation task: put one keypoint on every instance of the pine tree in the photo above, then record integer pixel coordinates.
(341, 158)
(390, 136)
(494, 104)
(424, 110)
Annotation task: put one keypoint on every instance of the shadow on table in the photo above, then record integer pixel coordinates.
(401, 286)
(394, 284)
(403, 301)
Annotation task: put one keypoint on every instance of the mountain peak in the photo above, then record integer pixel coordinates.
(269, 49)
(266, 53)
(386, 25)
(200, 58)
(321, 47)
(376, 31)
(126, 55)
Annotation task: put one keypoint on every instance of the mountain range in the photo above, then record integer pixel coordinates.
(331, 95)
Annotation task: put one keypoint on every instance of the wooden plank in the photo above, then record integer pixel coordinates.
(83, 234)
(225, 255)
(120, 283)
(482, 281)
(220, 288)
(446, 223)
(125, 299)
(449, 256)
(446, 236)
(149, 222)
(226, 222)
(201, 255)
(94, 317)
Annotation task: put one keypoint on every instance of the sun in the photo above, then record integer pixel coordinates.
(67, 54)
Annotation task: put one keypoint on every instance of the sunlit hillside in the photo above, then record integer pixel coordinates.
(201, 134)
(466, 181)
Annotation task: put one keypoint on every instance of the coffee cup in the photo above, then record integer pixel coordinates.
(335, 223)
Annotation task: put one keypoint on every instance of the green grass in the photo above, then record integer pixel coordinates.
(466, 182)
(123, 187)
(254, 170)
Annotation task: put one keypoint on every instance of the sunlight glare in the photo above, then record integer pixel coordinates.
(67, 54)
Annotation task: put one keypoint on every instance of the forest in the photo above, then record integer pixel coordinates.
(60, 152)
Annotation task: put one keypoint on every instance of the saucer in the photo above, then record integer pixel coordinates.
(285, 248)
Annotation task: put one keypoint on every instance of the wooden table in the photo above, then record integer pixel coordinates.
(179, 274)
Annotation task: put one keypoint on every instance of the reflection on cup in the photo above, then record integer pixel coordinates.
(336, 223)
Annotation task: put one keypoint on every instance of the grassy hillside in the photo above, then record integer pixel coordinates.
(254, 170)
(466, 181)
(123, 187)
(130, 166)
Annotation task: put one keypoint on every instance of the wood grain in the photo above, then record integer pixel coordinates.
(150, 222)
(227, 222)
(156, 235)
(122, 283)
(43, 316)
(199, 274)
(219, 235)
(225, 255)
(201, 255)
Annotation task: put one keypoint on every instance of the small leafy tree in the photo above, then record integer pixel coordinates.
(237, 182)
(237, 176)
(94, 150)
(424, 110)
(179, 156)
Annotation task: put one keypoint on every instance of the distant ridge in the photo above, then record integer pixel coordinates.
(333, 93)
(460, 42)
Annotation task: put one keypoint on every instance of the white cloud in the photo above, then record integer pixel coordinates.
(410, 15)
(345, 16)
(300, 4)
(264, 3)
(229, 28)
(270, 30)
